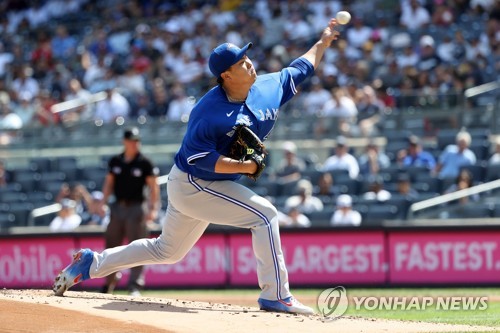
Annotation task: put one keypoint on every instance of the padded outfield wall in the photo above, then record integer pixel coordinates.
(315, 257)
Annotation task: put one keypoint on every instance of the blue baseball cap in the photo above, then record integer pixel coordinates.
(224, 56)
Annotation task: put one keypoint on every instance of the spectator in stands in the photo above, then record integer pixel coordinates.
(77, 193)
(372, 160)
(358, 34)
(408, 58)
(43, 113)
(463, 181)
(180, 106)
(67, 218)
(414, 16)
(405, 188)
(291, 166)
(41, 58)
(429, 59)
(160, 99)
(324, 187)
(370, 111)
(316, 98)
(495, 158)
(345, 215)
(9, 121)
(443, 14)
(63, 45)
(95, 70)
(82, 113)
(4, 175)
(304, 201)
(6, 59)
(98, 214)
(100, 46)
(342, 159)
(415, 156)
(343, 108)
(455, 156)
(293, 218)
(25, 82)
(25, 109)
(376, 190)
(114, 106)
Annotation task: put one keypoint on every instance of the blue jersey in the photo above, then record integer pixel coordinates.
(213, 119)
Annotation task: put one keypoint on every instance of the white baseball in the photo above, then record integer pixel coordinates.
(343, 17)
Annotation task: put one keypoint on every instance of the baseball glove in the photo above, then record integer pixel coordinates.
(247, 146)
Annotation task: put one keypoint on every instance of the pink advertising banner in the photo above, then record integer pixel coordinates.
(444, 257)
(317, 258)
(33, 262)
(205, 264)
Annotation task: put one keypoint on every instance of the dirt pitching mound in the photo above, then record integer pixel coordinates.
(39, 311)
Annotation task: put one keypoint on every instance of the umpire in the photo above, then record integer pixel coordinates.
(129, 175)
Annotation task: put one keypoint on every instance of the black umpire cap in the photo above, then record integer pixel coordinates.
(132, 134)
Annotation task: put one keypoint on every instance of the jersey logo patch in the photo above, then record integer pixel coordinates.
(229, 114)
(243, 120)
(117, 170)
(137, 172)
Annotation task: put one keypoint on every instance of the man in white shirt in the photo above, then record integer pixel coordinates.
(342, 159)
(344, 214)
(67, 219)
(114, 106)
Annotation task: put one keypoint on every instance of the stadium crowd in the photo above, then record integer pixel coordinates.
(150, 56)
(150, 59)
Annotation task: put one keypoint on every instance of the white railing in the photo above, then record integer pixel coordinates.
(432, 202)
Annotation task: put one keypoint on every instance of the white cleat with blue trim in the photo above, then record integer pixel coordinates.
(287, 305)
(75, 272)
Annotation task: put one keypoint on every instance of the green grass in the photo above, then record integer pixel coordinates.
(489, 317)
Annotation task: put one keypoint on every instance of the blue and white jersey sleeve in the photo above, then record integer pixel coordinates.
(199, 148)
(293, 75)
(200, 142)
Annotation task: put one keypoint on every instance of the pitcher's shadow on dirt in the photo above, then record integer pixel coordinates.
(136, 305)
(125, 304)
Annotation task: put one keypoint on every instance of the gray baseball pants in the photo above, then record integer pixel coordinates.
(193, 205)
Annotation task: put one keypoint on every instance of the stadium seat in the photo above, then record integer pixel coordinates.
(496, 210)
(473, 210)
(95, 174)
(8, 197)
(378, 212)
(492, 172)
(425, 182)
(402, 203)
(321, 218)
(478, 171)
(53, 187)
(446, 137)
(6, 220)
(390, 174)
(40, 164)
(312, 174)
(339, 175)
(348, 186)
(21, 211)
(481, 149)
(414, 171)
(52, 177)
(11, 186)
(27, 178)
(69, 166)
(40, 196)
